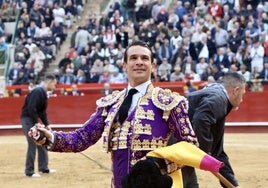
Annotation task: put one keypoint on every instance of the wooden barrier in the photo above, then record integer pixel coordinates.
(77, 109)
(94, 88)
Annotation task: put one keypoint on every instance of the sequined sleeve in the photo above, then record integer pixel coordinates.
(81, 138)
(179, 121)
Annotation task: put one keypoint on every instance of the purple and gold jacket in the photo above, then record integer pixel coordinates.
(158, 114)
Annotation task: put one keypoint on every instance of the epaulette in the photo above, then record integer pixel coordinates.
(109, 99)
(166, 100)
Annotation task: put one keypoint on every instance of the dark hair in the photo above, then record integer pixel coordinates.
(50, 77)
(233, 79)
(146, 174)
(139, 43)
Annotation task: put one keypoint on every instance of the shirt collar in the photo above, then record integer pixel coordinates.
(142, 88)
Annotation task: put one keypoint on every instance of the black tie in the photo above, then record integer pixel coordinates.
(123, 110)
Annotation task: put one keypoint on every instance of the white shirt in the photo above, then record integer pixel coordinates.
(142, 88)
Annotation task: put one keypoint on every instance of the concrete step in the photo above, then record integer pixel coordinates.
(90, 7)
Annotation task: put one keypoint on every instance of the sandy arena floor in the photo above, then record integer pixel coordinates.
(248, 154)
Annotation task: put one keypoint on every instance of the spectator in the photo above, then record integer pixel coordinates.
(70, 12)
(76, 61)
(211, 45)
(257, 55)
(93, 76)
(221, 36)
(234, 40)
(58, 33)
(30, 45)
(85, 66)
(173, 19)
(255, 73)
(67, 77)
(106, 89)
(243, 71)
(143, 12)
(116, 20)
(202, 48)
(177, 75)
(189, 49)
(116, 77)
(21, 79)
(163, 15)
(163, 75)
(14, 73)
(58, 14)
(215, 9)
(109, 37)
(29, 72)
(35, 14)
(201, 66)
(165, 51)
(104, 77)
(264, 73)
(188, 66)
(24, 14)
(130, 10)
(36, 59)
(98, 66)
(198, 35)
(189, 87)
(44, 30)
(82, 39)
(32, 30)
(221, 59)
(165, 65)
(64, 62)
(48, 16)
(180, 10)
(80, 77)
(175, 38)
(156, 9)
(74, 91)
(217, 73)
(20, 58)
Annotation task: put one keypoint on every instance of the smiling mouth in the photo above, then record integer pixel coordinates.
(139, 70)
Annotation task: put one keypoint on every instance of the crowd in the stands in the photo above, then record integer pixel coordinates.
(196, 40)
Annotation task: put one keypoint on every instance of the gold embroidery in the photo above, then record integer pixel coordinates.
(142, 129)
(142, 114)
(138, 128)
(166, 115)
(145, 144)
(178, 110)
(165, 99)
(182, 120)
(110, 117)
(147, 129)
(153, 144)
(122, 144)
(150, 114)
(104, 112)
(148, 145)
(144, 101)
(110, 99)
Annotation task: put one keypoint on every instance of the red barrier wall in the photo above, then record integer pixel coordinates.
(77, 109)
